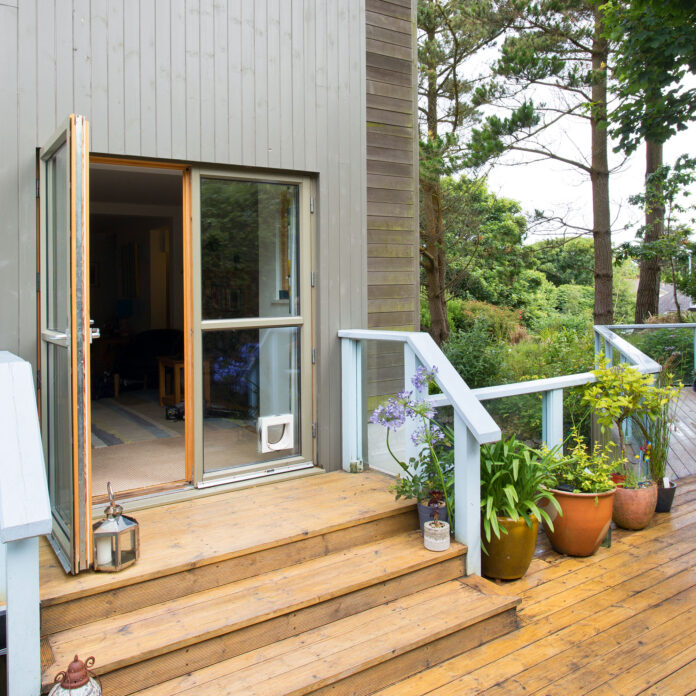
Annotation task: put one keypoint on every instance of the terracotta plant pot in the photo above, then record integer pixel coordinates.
(509, 557)
(665, 497)
(635, 507)
(584, 523)
(436, 536)
(427, 512)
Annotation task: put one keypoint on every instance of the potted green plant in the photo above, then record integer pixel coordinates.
(514, 481)
(621, 394)
(428, 477)
(584, 491)
(659, 436)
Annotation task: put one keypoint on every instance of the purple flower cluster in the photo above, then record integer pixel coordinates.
(424, 435)
(391, 415)
(423, 377)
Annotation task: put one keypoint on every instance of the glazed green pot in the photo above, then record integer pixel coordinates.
(509, 557)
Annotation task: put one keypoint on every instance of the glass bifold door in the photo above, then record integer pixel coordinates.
(252, 340)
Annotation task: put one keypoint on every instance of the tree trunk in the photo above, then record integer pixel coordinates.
(648, 296)
(434, 262)
(601, 220)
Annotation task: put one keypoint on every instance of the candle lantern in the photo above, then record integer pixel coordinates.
(77, 680)
(116, 538)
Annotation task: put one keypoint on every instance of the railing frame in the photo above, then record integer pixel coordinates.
(25, 514)
(473, 425)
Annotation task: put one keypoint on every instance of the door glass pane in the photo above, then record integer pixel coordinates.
(58, 240)
(249, 249)
(251, 387)
(58, 437)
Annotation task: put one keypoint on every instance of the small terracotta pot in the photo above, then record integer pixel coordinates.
(635, 507)
(436, 536)
(509, 557)
(665, 497)
(584, 522)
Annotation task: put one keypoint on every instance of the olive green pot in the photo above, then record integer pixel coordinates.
(508, 558)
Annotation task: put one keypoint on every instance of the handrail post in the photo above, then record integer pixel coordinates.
(351, 402)
(467, 494)
(411, 364)
(552, 418)
(597, 348)
(23, 619)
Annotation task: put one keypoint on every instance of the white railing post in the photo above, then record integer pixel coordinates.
(23, 619)
(552, 418)
(411, 364)
(25, 514)
(467, 494)
(351, 402)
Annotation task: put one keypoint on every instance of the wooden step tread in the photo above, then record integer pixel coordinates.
(323, 656)
(170, 625)
(185, 535)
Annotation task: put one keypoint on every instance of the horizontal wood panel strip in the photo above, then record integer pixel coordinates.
(390, 168)
(377, 74)
(390, 209)
(391, 50)
(385, 89)
(402, 3)
(393, 305)
(408, 237)
(376, 19)
(398, 38)
(378, 60)
(397, 183)
(389, 9)
(379, 195)
(408, 133)
(387, 319)
(401, 106)
(390, 264)
(375, 292)
(378, 153)
(385, 388)
(391, 118)
(380, 222)
(382, 374)
(391, 278)
(383, 359)
(387, 251)
(383, 140)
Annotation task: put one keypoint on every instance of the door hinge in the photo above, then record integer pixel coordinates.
(38, 282)
(314, 429)
(313, 279)
(314, 356)
(38, 188)
(311, 204)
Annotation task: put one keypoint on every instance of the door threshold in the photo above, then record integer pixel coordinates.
(190, 492)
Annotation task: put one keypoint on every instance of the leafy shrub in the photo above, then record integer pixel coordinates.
(582, 471)
(502, 323)
(673, 345)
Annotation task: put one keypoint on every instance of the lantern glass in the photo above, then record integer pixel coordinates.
(116, 539)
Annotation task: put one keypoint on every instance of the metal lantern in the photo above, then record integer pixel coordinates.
(116, 538)
(76, 680)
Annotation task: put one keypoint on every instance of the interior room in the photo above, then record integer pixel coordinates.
(136, 302)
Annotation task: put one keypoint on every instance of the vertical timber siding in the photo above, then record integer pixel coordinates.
(275, 84)
(392, 186)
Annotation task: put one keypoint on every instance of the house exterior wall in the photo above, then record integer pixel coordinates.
(266, 84)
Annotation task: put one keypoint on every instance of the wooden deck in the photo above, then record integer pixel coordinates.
(620, 622)
(682, 459)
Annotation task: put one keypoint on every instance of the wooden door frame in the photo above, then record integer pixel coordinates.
(185, 170)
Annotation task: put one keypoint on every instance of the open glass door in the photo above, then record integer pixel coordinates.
(65, 339)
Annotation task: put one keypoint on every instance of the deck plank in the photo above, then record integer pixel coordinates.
(620, 622)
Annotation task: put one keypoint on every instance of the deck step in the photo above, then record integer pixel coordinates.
(203, 544)
(360, 653)
(167, 639)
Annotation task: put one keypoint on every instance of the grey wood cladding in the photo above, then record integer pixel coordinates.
(392, 168)
(274, 84)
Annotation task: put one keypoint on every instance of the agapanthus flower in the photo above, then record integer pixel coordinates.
(423, 377)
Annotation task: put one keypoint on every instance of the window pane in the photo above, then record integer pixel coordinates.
(251, 379)
(249, 249)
